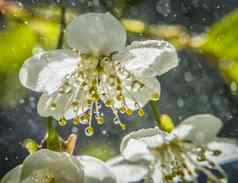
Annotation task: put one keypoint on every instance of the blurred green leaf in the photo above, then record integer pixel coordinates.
(16, 43)
(99, 150)
(222, 42)
(222, 38)
(47, 31)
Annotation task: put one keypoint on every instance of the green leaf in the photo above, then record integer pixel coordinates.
(222, 42)
(222, 38)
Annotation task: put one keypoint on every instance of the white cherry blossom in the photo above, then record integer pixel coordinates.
(45, 166)
(178, 154)
(98, 67)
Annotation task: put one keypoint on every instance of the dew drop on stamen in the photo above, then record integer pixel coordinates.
(62, 121)
(89, 131)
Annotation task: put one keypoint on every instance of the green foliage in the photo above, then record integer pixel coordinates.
(222, 42)
(16, 43)
(222, 37)
(100, 150)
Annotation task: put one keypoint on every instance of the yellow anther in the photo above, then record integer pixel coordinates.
(89, 101)
(118, 88)
(95, 97)
(76, 120)
(155, 96)
(141, 112)
(62, 121)
(89, 131)
(53, 106)
(123, 109)
(123, 126)
(129, 112)
(108, 103)
(85, 117)
(166, 123)
(120, 97)
(112, 80)
(100, 120)
(61, 91)
(75, 103)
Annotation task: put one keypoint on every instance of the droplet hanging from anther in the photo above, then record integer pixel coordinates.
(62, 121)
(155, 96)
(89, 131)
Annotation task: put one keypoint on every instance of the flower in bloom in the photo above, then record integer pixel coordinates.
(176, 154)
(45, 166)
(98, 67)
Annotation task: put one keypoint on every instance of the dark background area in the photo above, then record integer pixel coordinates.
(194, 87)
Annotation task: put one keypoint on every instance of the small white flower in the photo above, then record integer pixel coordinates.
(98, 67)
(45, 166)
(176, 155)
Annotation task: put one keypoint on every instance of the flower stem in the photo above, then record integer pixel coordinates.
(156, 112)
(62, 26)
(53, 139)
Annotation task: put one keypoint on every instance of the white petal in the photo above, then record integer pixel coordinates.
(136, 150)
(229, 152)
(182, 131)
(127, 173)
(63, 106)
(65, 168)
(150, 58)
(13, 176)
(45, 71)
(135, 146)
(143, 95)
(96, 33)
(157, 175)
(142, 134)
(96, 171)
(205, 128)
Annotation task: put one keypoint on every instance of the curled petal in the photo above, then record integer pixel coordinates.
(64, 167)
(149, 58)
(13, 176)
(136, 145)
(45, 71)
(137, 150)
(96, 171)
(96, 33)
(127, 173)
(205, 128)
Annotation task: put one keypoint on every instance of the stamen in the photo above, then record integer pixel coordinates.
(62, 121)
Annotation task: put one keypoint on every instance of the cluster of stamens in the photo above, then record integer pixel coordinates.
(181, 165)
(97, 80)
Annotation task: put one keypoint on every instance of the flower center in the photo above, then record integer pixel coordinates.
(101, 79)
(183, 162)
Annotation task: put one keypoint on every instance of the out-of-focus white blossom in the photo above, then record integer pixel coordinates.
(45, 166)
(176, 154)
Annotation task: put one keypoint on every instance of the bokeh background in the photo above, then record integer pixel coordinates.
(204, 31)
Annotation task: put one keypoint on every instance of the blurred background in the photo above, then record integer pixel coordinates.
(205, 33)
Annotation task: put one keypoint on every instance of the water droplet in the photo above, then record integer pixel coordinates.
(89, 131)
